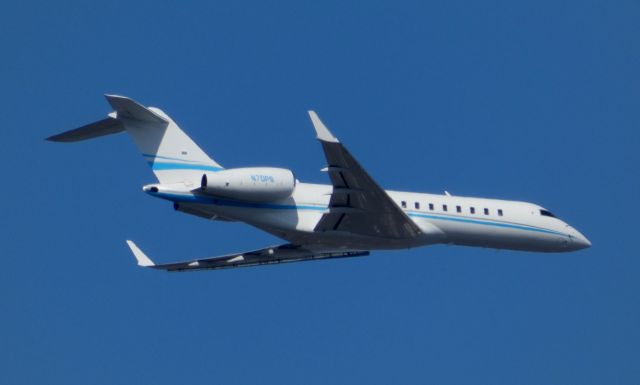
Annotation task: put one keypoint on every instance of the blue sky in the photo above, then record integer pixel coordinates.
(534, 101)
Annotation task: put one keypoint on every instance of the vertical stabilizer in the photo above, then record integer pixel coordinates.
(172, 155)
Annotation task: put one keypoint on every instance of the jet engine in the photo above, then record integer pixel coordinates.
(254, 184)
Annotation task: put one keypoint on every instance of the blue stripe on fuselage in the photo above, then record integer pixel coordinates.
(273, 206)
(486, 223)
(161, 166)
(231, 203)
(166, 157)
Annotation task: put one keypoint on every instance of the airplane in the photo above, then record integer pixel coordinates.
(350, 217)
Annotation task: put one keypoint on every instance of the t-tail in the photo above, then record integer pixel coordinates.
(172, 155)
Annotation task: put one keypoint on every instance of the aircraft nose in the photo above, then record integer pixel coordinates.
(579, 241)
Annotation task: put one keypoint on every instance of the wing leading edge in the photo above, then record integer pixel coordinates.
(269, 255)
(358, 204)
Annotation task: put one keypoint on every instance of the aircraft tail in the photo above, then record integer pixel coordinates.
(172, 155)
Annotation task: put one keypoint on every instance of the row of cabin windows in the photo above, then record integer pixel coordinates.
(472, 210)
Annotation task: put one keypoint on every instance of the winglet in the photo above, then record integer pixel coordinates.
(142, 259)
(321, 130)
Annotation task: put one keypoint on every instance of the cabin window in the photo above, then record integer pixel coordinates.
(547, 213)
(417, 205)
(486, 211)
(472, 210)
(459, 209)
(404, 204)
(431, 206)
(444, 207)
(500, 212)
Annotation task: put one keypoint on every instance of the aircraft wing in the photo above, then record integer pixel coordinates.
(268, 255)
(358, 204)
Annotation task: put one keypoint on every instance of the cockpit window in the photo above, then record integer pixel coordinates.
(547, 213)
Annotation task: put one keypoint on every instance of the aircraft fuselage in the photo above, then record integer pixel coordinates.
(444, 219)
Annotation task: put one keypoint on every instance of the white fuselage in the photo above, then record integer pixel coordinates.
(491, 223)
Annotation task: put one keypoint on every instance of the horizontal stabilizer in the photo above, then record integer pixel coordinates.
(102, 127)
(129, 109)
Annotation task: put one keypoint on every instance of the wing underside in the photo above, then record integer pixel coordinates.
(358, 204)
(269, 255)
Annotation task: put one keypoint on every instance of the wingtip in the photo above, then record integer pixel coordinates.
(322, 131)
(114, 96)
(60, 138)
(141, 257)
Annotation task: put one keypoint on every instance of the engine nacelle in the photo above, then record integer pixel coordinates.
(256, 184)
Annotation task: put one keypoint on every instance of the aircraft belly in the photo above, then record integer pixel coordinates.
(502, 236)
(349, 241)
(297, 226)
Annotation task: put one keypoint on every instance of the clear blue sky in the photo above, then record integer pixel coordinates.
(534, 101)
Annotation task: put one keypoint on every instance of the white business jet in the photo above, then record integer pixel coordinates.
(348, 218)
